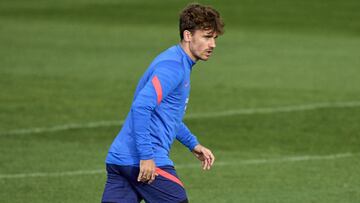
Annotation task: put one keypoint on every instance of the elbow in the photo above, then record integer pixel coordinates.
(140, 107)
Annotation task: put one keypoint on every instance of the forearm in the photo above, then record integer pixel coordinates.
(186, 137)
(140, 121)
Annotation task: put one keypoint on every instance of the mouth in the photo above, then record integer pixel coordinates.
(208, 52)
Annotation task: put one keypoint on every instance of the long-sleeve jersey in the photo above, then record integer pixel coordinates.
(156, 114)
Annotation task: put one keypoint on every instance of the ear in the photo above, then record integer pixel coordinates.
(187, 35)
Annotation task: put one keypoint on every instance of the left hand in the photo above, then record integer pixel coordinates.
(147, 171)
(204, 155)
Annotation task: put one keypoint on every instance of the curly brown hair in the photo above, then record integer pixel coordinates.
(200, 17)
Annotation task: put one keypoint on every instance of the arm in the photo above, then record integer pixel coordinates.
(163, 80)
(186, 137)
(190, 141)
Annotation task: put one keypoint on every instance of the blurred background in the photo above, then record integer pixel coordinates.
(278, 103)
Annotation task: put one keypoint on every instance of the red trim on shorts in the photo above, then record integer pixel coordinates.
(156, 82)
(168, 176)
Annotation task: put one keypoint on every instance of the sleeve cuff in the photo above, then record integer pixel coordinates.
(193, 144)
(147, 156)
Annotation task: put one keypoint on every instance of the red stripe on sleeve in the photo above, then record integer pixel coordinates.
(168, 176)
(156, 82)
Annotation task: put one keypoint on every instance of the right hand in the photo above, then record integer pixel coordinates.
(147, 171)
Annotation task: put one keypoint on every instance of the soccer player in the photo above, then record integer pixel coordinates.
(138, 164)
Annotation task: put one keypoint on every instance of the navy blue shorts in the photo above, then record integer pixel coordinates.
(122, 186)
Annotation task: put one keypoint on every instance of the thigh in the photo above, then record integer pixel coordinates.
(117, 188)
(167, 187)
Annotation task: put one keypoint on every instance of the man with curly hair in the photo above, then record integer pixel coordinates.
(138, 164)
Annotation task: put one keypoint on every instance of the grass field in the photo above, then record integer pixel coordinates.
(279, 102)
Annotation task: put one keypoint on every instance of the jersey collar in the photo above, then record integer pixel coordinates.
(188, 60)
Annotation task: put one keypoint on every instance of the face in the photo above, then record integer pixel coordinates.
(202, 44)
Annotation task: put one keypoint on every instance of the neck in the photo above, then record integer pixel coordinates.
(186, 47)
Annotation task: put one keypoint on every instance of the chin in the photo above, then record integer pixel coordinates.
(204, 58)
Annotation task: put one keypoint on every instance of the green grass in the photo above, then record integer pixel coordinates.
(70, 62)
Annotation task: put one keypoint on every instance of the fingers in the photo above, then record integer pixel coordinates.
(153, 176)
(146, 175)
(206, 164)
(212, 158)
(147, 171)
(206, 157)
(141, 174)
(209, 159)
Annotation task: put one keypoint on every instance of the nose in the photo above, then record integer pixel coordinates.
(212, 43)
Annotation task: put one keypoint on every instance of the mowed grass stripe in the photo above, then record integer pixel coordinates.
(179, 166)
(265, 110)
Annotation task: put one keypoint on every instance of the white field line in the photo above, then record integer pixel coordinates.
(266, 110)
(217, 164)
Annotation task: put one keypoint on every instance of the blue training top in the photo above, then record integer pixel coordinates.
(156, 114)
